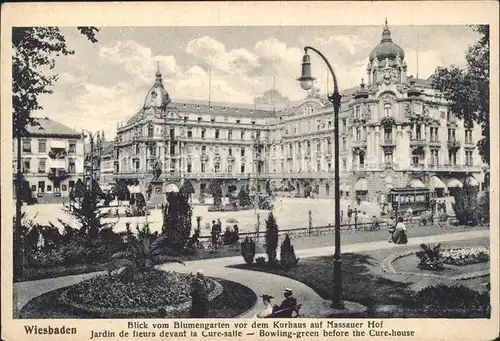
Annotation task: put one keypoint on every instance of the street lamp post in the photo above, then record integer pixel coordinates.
(306, 82)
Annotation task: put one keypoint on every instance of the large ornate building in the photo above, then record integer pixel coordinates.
(395, 131)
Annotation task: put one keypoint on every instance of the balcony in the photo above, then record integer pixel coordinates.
(469, 144)
(204, 156)
(388, 143)
(418, 142)
(231, 158)
(417, 166)
(451, 121)
(458, 168)
(57, 173)
(360, 167)
(295, 175)
(57, 153)
(212, 175)
(453, 144)
(359, 143)
(435, 143)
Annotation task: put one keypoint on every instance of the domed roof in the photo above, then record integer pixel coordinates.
(157, 96)
(386, 48)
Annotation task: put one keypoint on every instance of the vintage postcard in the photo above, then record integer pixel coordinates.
(250, 170)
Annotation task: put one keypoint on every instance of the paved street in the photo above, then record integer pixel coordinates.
(260, 283)
(290, 213)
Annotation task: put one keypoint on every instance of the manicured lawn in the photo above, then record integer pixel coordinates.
(359, 284)
(364, 282)
(235, 300)
(32, 274)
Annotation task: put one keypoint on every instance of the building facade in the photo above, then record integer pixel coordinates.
(52, 159)
(395, 131)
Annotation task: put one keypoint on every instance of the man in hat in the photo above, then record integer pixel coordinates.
(285, 309)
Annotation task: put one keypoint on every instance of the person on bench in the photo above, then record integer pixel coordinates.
(288, 305)
(268, 307)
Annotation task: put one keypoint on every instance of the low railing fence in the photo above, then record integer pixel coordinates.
(414, 222)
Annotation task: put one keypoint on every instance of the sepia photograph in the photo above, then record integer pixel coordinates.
(183, 172)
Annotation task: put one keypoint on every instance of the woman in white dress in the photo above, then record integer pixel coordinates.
(268, 307)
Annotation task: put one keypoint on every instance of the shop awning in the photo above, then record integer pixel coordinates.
(58, 144)
(417, 183)
(134, 189)
(57, 163)
(436, 182)
(471, 181)
(453, 182)
(362, 185)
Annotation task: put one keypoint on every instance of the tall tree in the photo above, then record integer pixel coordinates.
(468, 89)
(34, 52)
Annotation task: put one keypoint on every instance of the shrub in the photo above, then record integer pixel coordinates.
(260, 261)
(466, 205)
(248, 250)
(215, 189)
(244, 198)
(426, 218)
(453, 300)
(141, 255)
(177, 220)
(120, 190)
(430, 257)
(443, 217)
(484, 207)
(89, 216)
(271, 237)
(287, 254)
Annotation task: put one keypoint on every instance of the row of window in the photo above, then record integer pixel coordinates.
(42, 146)
(42, 166)
(189, 133)
(203, 168)
(58, 187)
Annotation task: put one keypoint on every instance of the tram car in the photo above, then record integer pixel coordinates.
(402, 199)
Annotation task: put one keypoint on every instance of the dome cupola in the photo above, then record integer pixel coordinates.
(157, 96)
(386, 49)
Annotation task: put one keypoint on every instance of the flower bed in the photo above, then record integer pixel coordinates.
(228, 208)
(151, 294)
(465, 256)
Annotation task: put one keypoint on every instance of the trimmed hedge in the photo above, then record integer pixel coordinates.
(452, 301)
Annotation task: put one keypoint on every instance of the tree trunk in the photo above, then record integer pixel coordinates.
(18, 247)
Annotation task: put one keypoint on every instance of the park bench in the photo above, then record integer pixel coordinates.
(285, 311)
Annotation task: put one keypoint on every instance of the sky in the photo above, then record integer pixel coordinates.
(105, 83)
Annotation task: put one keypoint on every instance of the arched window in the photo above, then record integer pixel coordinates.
(357, 113)
(387, 110)
(151, 131)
